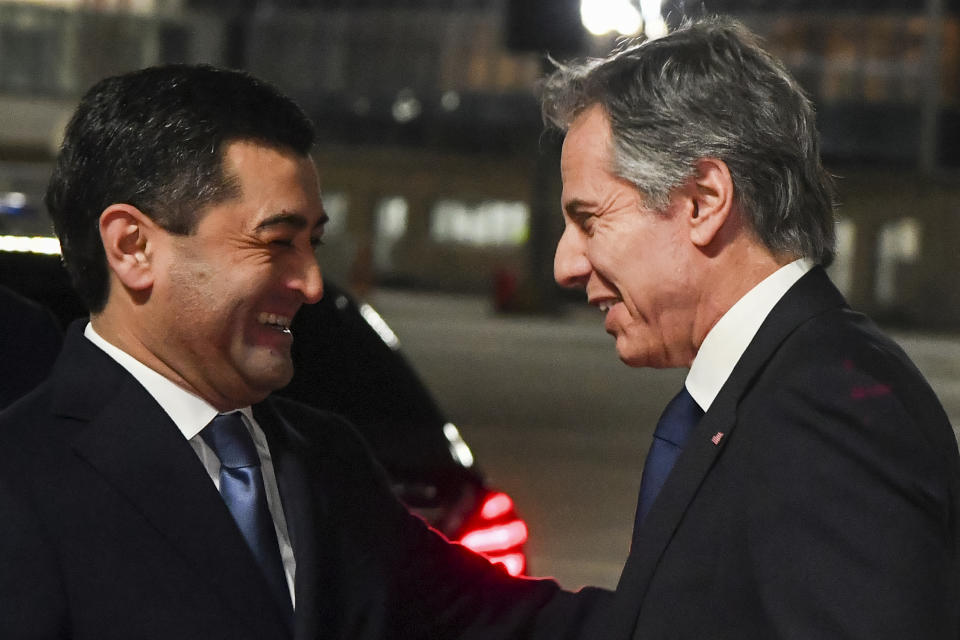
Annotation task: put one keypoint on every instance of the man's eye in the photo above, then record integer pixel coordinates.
(316, 242)
(583, 220)
(282, 242)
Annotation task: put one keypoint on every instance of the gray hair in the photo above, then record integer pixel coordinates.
(708, 90)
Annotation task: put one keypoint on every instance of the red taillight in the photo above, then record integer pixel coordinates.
(514, 563)
(495, 506)
(497, 533)
(498, 537)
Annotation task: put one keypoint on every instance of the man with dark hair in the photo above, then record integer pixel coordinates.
(805, 482)
(151, 487)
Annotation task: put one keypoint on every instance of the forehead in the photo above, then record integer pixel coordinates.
(260, 165)
(586, 168)
(273, 180)
(587, 143)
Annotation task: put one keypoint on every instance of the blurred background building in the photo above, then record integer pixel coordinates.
(435, 171)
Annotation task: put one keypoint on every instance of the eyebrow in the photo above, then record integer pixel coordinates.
(285, 218)
(573, 208)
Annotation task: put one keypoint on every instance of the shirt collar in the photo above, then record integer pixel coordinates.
(189, 412)
(729, 338)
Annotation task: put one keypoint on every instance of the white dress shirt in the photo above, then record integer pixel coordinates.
(191, 414)
(729, 338)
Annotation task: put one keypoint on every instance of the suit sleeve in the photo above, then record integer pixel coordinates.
(437, 589)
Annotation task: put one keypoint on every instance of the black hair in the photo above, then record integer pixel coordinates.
(155, 139)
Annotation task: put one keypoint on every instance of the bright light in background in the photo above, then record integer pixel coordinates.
(488, 223)
(13, 200)
(458, 448)
(336, 205)
(654, 26)
(391, 217)
(406, 107)
(450, 101)
(603, 16)
(378, 324)
(134, 6)
(600, 17)
(898, 246)
(24, 244)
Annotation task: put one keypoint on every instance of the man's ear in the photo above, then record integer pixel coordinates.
(128, 237)
(711, 191)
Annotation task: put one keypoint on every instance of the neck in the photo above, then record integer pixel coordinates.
(731, 274)
(123, 334)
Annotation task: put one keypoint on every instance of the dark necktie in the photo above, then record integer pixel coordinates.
(241, 485)
(673, 431)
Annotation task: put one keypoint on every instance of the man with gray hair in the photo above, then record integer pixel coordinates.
(805, 481)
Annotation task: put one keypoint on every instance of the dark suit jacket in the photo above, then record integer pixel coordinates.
(112, 529)
(817, 498)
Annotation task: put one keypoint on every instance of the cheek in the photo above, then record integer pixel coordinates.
(615, 247)
(602, 257)
(620, 267)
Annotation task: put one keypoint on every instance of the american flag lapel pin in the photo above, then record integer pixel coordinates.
(717, 438)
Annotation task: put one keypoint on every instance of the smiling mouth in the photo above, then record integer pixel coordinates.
(275, 321)
(606, 305)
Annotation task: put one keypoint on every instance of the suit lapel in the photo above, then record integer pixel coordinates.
(811, 295)
(661, 522)
(300, 511)
(139, 451)
(342, 583)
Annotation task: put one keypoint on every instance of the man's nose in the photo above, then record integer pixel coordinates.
(571, 268)
(309, 282)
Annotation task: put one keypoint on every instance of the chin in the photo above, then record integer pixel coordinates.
(629, 354)
(631, 359)
(278, 381)
(640, 359)
(271, 375)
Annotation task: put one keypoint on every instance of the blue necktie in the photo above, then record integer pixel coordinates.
(241, 485)
(673, 431)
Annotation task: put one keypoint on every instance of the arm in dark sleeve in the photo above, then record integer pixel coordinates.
(438, 589)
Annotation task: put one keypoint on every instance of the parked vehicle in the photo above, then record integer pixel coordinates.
(347, 360)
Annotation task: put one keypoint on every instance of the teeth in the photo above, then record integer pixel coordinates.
(604, 306)
(274, 320)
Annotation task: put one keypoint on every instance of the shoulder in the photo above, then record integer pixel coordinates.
(840, 394)
(842, 356)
